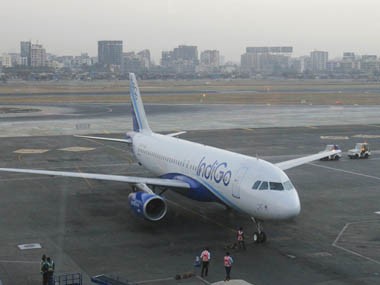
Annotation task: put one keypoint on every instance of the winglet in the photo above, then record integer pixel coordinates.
(140, 122)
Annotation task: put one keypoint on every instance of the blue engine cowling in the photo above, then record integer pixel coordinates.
(149, 206)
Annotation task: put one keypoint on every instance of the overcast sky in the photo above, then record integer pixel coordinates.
(69, 27)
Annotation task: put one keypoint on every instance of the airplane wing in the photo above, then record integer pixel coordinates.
(302, 160)
(176, 134)
(119, 178)
(129, 141)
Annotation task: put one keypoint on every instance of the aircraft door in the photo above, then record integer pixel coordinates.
(237, 181)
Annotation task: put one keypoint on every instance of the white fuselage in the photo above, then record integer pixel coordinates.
(229, 176)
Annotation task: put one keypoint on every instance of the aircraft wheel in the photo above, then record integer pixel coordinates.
(259, 237)
(256, 237)
(366, 155)
(262, 237)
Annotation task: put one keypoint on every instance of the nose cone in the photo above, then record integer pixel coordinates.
(292, 207)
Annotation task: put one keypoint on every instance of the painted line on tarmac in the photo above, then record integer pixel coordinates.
(31, 150)
(335, 243)
(85, 179)
(200, 215)
(366, 136)
(76, 148)
(334, 137)
(346, 171)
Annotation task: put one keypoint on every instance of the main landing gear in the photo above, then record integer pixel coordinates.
(259, 236)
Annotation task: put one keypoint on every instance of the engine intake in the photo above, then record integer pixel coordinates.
(149, 206)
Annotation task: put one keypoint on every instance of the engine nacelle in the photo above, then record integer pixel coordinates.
(149, 206)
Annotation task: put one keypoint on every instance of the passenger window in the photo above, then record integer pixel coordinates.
(264, 186)
(276, 186)
(256, 185)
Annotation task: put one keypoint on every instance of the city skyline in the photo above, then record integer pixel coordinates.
(71, 27)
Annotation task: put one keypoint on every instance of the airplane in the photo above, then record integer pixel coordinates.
(249, 185)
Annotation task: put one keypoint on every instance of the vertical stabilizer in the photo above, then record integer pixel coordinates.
(140, 123)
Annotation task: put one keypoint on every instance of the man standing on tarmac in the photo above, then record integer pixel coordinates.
(227, 260)
(44, 267)
(51, 267)
(205, 258)
(240, 238)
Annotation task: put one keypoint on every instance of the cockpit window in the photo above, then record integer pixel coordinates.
(288, 185)
(264, 186)
(256, 185)
(276, 186)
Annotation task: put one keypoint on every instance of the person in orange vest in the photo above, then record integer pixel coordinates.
(240, 238)
(228, 265)
(205, 258)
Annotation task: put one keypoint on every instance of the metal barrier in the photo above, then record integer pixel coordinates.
(68, 279)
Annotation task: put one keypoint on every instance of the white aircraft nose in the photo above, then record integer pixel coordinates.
(293, 206)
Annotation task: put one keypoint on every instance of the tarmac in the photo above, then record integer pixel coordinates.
(86, 226)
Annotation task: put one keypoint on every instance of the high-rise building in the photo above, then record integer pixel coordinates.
(110, 52)
(210, 58)
(186, 53)
(37, 56)
(266, 60)
(25, 53)
(166, 58)
(6, 60)
(319, 60)
(182, 59)
(144, 57)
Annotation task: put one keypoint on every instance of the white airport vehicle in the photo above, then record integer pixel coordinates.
(335, 156)
(361, 150)
(255, 187)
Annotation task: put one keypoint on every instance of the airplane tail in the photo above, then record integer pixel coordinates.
(140, 122)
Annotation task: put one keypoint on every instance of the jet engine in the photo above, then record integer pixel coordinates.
(147, 205)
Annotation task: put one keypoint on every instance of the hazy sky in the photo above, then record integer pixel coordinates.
(69, 27)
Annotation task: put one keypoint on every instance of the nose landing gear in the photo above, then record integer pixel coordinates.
(259, 236)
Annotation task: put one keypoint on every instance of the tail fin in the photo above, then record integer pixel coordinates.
(140, 123)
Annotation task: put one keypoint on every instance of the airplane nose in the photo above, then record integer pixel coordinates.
(294, 205)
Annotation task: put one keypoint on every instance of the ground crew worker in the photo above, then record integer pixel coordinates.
(228, 265)
(240, 238)
(205, 258)
(51, 267)
(44, 267)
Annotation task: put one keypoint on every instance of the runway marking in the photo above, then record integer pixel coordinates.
(29, 246)
(76, 148)
(31, 150)
(346, 171)
(334, 137)
(311, 127)
(85, 179)
(366, 136)
(335, 243)
(248, 129)
(320, 254)
(203, 217)
(378, 212)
